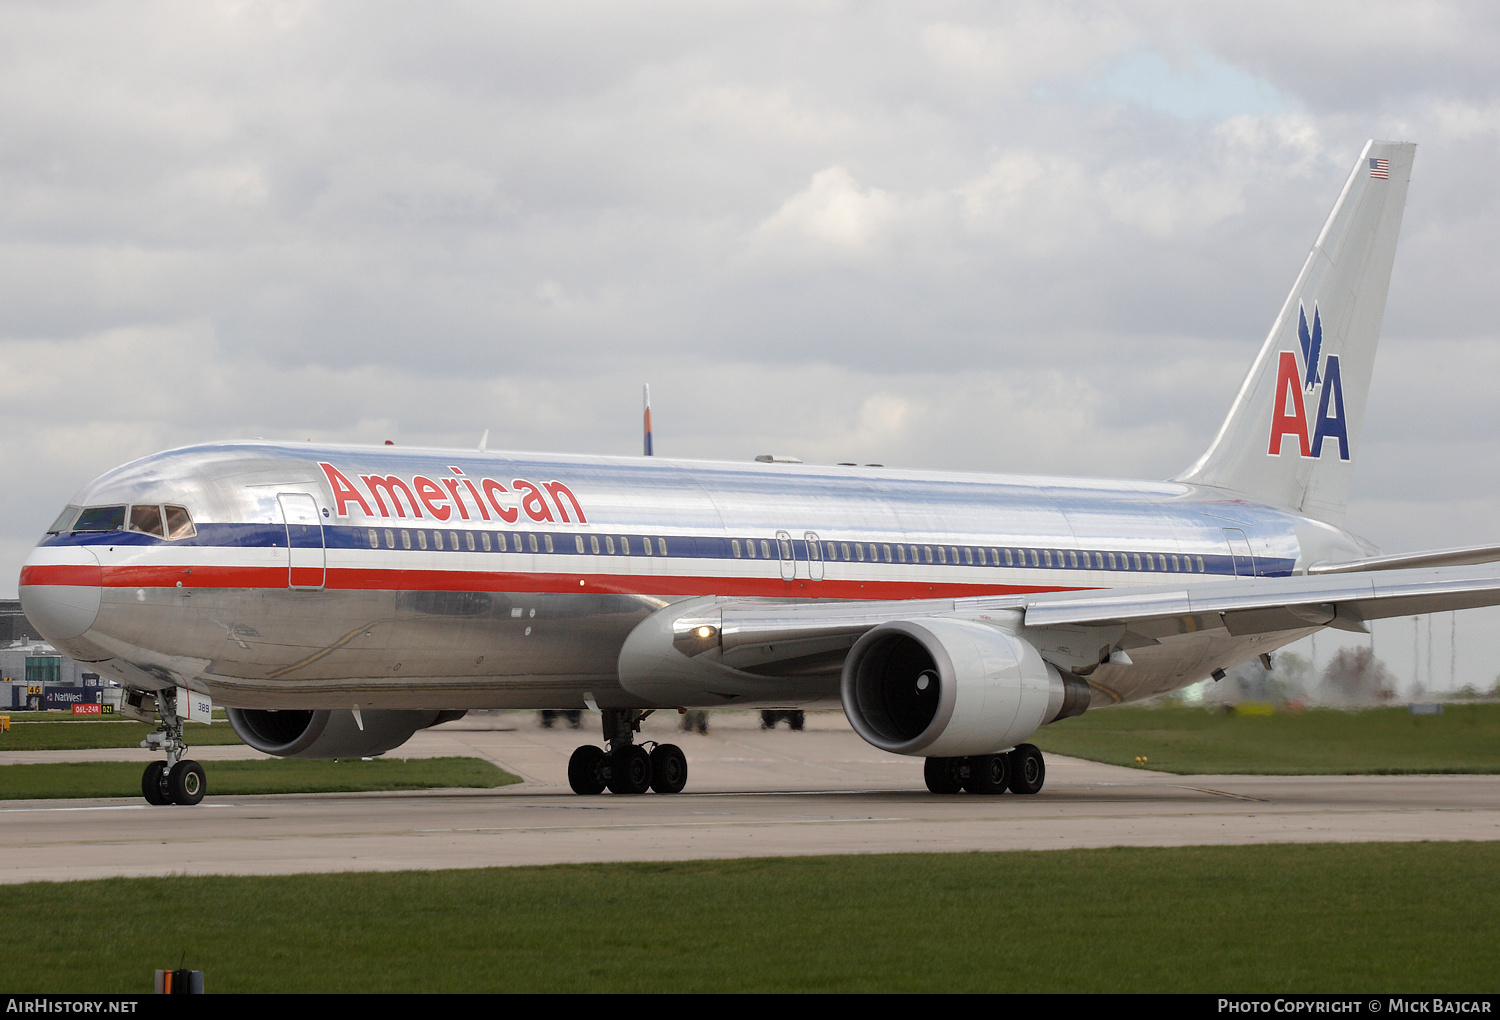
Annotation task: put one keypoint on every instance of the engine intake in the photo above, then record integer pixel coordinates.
(330, 733)
(947, 687)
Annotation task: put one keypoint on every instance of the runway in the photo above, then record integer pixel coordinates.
(750, 793)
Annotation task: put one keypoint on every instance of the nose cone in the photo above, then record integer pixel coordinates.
(60, 587)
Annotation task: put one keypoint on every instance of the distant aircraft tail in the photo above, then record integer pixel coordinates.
(1290, 437)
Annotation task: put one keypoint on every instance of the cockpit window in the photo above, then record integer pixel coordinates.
(64, 520)
(101, 518)
(171, 522)
(179, 524)
(147, 519)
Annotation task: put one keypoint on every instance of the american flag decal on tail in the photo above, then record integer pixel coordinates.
(1380, 169)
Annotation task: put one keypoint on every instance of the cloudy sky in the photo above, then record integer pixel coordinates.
(965, 235)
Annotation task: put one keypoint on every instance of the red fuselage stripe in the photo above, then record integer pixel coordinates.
(370, 579)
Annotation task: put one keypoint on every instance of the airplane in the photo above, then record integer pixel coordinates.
(336, 599)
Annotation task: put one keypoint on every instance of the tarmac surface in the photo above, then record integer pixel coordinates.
(750, 792)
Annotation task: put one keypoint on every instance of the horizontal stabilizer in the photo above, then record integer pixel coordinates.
(1466, 556)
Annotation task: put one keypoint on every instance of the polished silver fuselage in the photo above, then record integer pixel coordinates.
(385, 601)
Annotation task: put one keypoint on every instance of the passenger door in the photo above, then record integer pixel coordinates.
(306, 566)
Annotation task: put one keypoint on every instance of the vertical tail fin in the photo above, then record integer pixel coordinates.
(1290, 437)
(646, 399)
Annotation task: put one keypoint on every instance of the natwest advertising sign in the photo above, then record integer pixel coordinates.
(70, 697)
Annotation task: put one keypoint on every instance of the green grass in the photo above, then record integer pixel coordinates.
(1413, 917)
(75, 734)
(287, 775)
(1199, 741)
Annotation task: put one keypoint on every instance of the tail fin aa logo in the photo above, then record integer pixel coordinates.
(1289, 418)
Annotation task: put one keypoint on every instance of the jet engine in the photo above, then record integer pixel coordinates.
(949, 687)
(330, 733)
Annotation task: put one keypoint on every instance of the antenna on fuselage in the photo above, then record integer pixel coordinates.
(484, 440)
(646, 398)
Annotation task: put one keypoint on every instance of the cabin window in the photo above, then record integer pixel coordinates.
(147, 520)
(901, 553)
(661, 546)
(812, 550)
(594, 544)
(422, 539)
(1175, 567)
(1136, 557)
(374, 539)
(1047, 557)
(469, 540)
(646, 546)
(859, 552)
(982, 561)
(546, 541)
(609, 545)
(405, 539)
(1112, 561)
(750, 548)
(500, 541)
(390, 539)
(968, 556)
(1072, 558)
(624, 546)
(65, 520)
(1200, 564)
(578, 541)
(437, 539)
(942, 554)
(831, 550)
(734, 546)
(484, 540)
(179, 522)
(887, 551)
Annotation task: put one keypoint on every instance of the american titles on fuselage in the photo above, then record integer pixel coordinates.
(385, 496)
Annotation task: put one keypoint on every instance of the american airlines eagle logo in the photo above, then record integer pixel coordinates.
(1289, 416)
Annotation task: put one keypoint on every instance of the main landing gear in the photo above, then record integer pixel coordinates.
(1022, 770)
(178, 780)
(627, 767)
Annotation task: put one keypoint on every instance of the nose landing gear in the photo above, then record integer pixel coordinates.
(627, 767)
(177, 780)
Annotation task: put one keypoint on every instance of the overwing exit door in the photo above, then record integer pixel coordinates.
(306, 566)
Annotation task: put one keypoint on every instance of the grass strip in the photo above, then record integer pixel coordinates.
(60, 735)
(1413, 917)
(226, 778)
(1201, 741)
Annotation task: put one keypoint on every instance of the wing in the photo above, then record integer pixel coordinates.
(1150, 638)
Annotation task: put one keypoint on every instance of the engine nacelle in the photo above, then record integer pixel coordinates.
(330, 733)
(946, 688)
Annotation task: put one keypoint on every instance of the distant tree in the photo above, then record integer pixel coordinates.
(1355, 677)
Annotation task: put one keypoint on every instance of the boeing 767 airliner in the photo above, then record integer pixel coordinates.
(339, 598)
